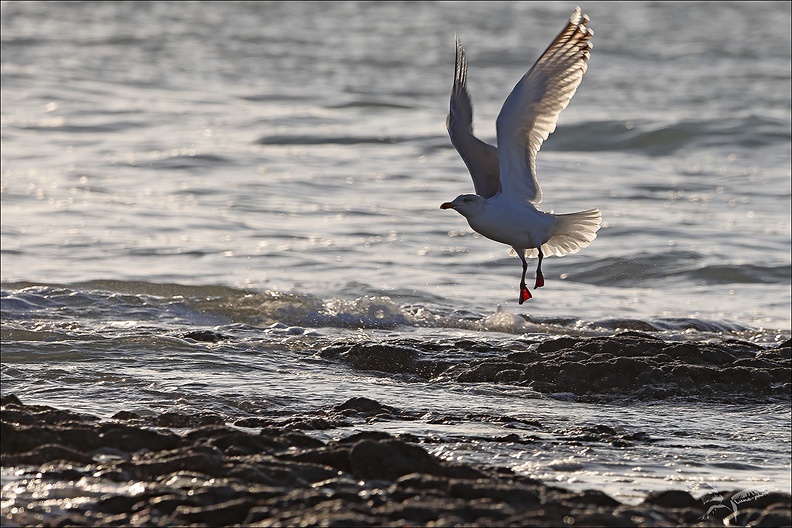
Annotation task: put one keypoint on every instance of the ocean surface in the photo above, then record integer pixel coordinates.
(271, 173)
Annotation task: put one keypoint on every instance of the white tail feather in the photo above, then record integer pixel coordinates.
(571, 233)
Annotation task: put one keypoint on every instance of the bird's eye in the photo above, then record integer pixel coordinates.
(466, 200)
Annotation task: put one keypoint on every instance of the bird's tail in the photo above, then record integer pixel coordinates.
(571, 233)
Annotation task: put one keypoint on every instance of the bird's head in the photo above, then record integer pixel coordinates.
(466, 204)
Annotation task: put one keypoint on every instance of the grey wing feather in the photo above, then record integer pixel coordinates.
(531, 111)
(481, 158)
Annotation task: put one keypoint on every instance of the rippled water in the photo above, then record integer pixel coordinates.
(274, 172)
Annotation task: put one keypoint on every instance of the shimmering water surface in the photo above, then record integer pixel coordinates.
(273, 172)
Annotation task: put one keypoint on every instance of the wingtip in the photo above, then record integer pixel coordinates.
(460, 67)
(459, 49)
(579, 18)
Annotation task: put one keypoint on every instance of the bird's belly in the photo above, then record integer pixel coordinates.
(523, 235)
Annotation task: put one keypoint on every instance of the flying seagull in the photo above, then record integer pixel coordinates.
(504, 177)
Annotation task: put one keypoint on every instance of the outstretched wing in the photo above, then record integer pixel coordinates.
(481, 158)
(531, 111)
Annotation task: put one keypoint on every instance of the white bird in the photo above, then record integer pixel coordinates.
(504, 177)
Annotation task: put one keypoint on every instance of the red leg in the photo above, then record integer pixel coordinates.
(539, 276)
(524, 293)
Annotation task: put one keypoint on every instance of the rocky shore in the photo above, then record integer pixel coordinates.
(62, 468)
(631, 365)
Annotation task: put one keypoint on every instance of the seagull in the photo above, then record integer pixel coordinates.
(504, 177)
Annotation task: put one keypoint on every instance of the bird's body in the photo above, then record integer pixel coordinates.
(504, 177)
(503, 220)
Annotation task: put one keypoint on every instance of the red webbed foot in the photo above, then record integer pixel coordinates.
(539, 280)
(524, 293)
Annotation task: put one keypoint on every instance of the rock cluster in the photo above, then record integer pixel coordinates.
(630, 364)
(74, 469)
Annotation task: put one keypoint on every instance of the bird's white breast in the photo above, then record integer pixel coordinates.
(514, 222)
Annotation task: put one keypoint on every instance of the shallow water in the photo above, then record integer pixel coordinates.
(273, 173)
(149, 348)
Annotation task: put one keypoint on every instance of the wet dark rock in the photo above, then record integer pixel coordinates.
(596, 498)
(418, 483)
(487, 371)
(672, 499)
(425, 510)
(210, 432)
(336, 457)
(554, 345)
(390, 459)
(21, 439)
(175, 419)
(627, 364)
(354, 410)
(640, 366)
(365, 435)
(18, 416)
(205, 336)
(126, 415)
(164, 504)
(47, 453)
(216, 475)
(404, 356)
(383, 458)
(10, 399)
(375, 356)
(299, 440)
(255, 421)
(505, 493)
(314, 423)
(601, 518)
(430, 369)
(525, 356)
(38, 414)
(364, 406)
(509, 376)
(148, 466)
(236, 443)
(131, 439)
